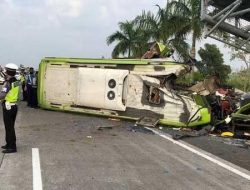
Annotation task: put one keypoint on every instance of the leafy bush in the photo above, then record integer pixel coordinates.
(240, 80)
(212, 63)
(190, 78)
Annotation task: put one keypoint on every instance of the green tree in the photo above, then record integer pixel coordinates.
(130, 40)
(243, 56)
(171, 26)
(155, 25)
(240, 80)
(212, 62)
(159, 28)
(184, 19)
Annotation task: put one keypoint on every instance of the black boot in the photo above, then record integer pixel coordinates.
(4, 147)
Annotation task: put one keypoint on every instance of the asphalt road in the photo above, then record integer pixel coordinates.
(76, 155)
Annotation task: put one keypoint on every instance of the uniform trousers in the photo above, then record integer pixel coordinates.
(24, 92)
(29, 94)
(9, 118)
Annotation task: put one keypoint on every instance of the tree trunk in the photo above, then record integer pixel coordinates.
(193, 49)
(247, 64)
(129, 52)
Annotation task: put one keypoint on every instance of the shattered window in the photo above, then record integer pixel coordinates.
(154, 95)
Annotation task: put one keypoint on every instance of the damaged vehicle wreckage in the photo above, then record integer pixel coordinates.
(121, 88)
(143, 90)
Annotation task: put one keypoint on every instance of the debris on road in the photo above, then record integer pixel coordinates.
(107, 127)
(242, 143)
(183, 133)
(135, 128)
(104, 127)
(147, 121)
(227, 134)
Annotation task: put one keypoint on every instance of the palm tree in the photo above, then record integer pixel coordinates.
(171, 25)
(161, 29)
(185, 19)
(155, 25)
(131, 40)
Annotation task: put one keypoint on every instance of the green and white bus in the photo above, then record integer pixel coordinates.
(120, 88)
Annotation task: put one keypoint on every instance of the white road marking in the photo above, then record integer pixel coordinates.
(37, 178)
(202, 154)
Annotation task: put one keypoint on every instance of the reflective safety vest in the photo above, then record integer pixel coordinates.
(22, 79)
(13, 94)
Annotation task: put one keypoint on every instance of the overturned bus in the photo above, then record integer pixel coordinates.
(120, 88)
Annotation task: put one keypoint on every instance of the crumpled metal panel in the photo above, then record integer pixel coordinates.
(173, 106)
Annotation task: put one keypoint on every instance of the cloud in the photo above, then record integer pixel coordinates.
(65, 8)
(6, 7)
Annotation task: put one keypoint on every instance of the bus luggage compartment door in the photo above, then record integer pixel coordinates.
(101, 88)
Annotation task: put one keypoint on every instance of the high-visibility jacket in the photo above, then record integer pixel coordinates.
(13, 94)
(22, 78)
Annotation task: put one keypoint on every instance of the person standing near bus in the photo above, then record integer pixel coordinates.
(23, 83)
(34, 103)
(9, 97)
(30, 81)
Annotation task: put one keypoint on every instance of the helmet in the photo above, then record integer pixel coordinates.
(11, 67)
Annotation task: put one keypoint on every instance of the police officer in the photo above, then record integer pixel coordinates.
(9, 96)
(30, 90)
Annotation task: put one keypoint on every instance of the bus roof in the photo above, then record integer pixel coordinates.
(110, 61)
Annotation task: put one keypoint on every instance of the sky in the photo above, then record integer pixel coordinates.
(34, 29)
